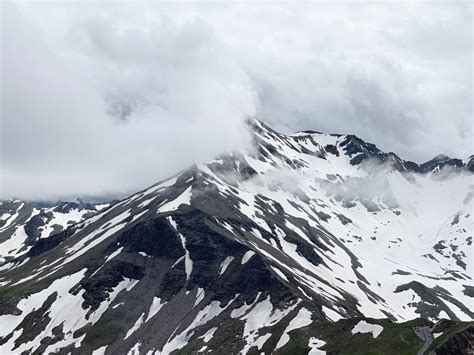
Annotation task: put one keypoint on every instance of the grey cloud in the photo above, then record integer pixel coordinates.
(61, 136)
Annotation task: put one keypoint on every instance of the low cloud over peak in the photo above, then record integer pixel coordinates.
(116, 96)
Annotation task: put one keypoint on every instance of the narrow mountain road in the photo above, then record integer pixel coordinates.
(424, 334)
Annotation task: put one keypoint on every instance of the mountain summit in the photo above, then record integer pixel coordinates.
(239, 254)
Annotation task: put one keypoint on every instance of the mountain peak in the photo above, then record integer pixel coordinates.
(352, 146)
(236, 255)
(442, 162)
(440, 157)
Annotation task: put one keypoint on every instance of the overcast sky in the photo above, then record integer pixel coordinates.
(105, 99)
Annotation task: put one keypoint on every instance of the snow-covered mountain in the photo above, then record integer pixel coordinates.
(232, 255)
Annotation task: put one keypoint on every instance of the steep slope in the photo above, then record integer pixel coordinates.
(358, 336)
(232, 254)
(23, 223)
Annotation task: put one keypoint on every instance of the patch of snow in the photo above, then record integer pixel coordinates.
(155, 307)
(364, 327)
(261, 315)
(225, 264)
(239, 312)
(12, 246)
(10, 220)
(62, 219)
(331, 314)
(177, 261)
(100, 351)
(302, 319)
(183, 199)
(199, 296)
(137, 216)
(188, 263)
(208, 335)
(132, 284)
(146, 202)
(138, 323)
(135, 350)
(443, 315)
(315, 344)
(114, 254)
(247, 256)
(280, 273)
(211, 311)
(101, 206)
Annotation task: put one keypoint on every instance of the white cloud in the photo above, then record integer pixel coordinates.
(108, 98)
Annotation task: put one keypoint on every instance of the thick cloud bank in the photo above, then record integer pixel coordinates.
(106, 99)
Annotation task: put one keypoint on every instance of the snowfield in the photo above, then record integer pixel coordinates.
(364, 327)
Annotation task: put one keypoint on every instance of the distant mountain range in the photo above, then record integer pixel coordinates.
(24, 223)
(304, 243)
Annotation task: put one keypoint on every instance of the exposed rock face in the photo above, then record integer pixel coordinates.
(226, 255)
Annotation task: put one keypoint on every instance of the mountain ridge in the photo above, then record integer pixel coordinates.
(362, 146)
(225, 255)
